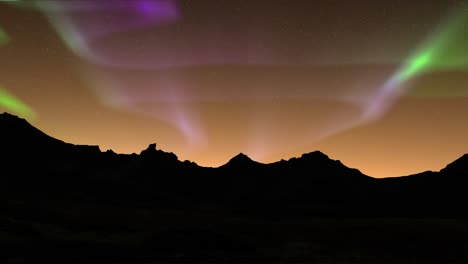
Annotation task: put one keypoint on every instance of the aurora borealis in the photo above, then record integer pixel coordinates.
(443, 50)
(380, 86)
(14, 105)
(3, 37)
(9, 101)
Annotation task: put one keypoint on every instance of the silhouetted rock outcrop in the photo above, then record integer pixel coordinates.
(86, 150)
(158, 158)
(151, 150)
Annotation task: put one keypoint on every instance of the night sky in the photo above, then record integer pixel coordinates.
(379, 85)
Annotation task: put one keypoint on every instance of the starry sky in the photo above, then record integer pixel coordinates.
(379, 85)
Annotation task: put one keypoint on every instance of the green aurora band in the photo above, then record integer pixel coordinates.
(4, 38)
(9, 101)
(13, 104)
(446, 51)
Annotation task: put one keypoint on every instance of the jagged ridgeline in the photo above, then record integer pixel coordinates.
(65, 203)
(32, 160)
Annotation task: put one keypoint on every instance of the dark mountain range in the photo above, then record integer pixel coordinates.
(157, 207)
(311, 181)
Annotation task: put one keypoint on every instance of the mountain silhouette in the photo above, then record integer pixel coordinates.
(241, 160)
(159, 208)
(242, 165)
(304, 180)
(458, 168)
(18, 134)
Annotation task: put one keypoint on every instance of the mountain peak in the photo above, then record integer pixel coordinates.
(6, 114)
(18, 131)
(240, 160)
(315, 155)
(9, 119)
(242, 156)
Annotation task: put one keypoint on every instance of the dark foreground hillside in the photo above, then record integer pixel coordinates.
(62, 203)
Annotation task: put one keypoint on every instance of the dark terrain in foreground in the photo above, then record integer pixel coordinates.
(65, 203)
